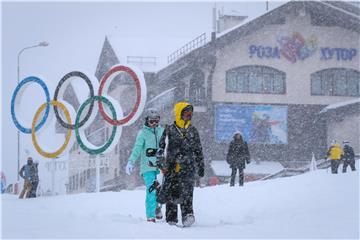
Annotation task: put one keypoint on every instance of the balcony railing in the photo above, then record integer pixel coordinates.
(197, 42)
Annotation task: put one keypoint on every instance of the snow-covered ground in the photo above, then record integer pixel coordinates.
(313, 205)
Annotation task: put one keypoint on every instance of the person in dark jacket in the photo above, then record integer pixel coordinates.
(35, 181)
(348, 157)
(29, 173)
(237, 156)
(184, 159)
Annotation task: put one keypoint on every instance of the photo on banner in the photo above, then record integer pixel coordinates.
(258, 124)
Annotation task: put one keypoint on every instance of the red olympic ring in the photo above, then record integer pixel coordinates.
(107, 76)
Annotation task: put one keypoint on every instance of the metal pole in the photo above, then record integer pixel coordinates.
(97, 173)
(18, 132)
(53, 166)
(41, 44)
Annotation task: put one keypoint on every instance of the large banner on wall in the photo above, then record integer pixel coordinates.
(265, 124)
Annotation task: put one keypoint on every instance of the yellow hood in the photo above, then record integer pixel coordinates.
(177, 110)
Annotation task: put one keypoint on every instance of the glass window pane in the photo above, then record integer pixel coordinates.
(279, 83)
(230, 82)
(353, 86)
(340, 83)
(326, 80)
(255, 82)
(242, 82)
(316, 84)
(255, 79)
(268, 79)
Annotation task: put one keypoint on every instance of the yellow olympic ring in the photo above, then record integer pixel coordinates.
(68, 133)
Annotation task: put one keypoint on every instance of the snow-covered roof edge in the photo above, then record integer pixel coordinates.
(247, 20)
(340, 104)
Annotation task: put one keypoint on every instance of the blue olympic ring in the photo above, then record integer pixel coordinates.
(43, 120)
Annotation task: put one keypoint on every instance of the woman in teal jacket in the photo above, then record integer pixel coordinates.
(148, 139)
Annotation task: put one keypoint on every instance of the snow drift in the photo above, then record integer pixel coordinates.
(313, 205)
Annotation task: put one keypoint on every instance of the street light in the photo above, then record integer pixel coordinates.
(41, 44)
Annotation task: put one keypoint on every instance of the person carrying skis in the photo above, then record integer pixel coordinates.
(348, 157)
(184, 155)
(334, 153)
(29, 172)
(237, 156)
(147, 141)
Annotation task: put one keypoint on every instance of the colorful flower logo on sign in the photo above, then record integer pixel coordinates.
(297, 47)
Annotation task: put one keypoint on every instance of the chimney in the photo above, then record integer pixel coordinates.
(214, 23)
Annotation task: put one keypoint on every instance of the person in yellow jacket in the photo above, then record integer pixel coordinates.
(184, 162)
(334, 154)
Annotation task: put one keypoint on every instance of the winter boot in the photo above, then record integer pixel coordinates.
(158, 213)
(151, 220)
(172, 223)
(188, 220)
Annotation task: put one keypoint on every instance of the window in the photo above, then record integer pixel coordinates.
(197, 88)
(336, 82)
(255, 79)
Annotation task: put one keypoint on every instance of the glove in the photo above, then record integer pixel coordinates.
(201, 172)
(129, 168)
(159, 153)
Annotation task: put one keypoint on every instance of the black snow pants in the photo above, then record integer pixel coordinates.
(334, 166)
(33, 190)
(233, 175)
(186, 202)
(351, 163)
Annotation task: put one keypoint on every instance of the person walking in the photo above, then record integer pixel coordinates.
(237, 156)
(348, 157)
(35, 181)
(184, 159)
(334, 154)
(146, 145)
(29, 173)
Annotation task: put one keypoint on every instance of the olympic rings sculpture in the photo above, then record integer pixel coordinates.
(117, 119)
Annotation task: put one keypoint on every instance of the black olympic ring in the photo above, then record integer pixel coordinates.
(88, 82)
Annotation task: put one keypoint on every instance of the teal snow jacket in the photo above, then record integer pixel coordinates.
(146, 138)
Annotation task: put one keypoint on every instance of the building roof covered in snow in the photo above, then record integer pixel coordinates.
(323, 13)
(351, 103)
(346, 107)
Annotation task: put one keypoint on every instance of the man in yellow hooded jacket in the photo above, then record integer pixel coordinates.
(334, 154)
(184, 159)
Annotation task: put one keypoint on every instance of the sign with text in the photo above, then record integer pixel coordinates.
(296, 47)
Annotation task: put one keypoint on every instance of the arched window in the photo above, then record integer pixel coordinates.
(336, 82)
(255, 79)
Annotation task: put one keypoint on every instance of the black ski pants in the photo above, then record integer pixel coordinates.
(186, 205)
(347, 163)
(334, 166)
(34, 186)
(233, 175)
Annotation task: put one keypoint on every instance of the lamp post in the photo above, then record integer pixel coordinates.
(41, 44)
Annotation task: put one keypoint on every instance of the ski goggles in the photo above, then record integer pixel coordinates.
(153, 121)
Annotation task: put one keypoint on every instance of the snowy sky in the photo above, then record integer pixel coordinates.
(76, 32)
